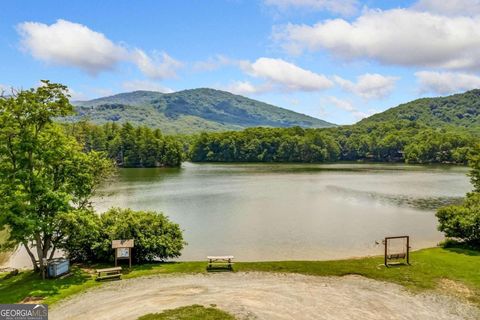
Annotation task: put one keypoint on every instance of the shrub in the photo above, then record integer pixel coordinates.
(83, 229)
(462, 221)
(155, 236)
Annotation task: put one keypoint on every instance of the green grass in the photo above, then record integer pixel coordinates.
(193, 312)
(428, 268)
(29, 284)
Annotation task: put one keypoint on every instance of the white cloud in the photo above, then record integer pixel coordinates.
(287, 75)
(399, 36)
(449, 7)
(341, 104)
(72, 44)
(278, 76)
(135, 85)
(344, 7)
(77, 95)
(247, 88)
(346, 105)
(161, 66)
(446, 82)
(369, 85)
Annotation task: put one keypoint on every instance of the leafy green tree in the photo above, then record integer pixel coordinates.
(475, 171)
(463, 221)
(156, 237)
(44, 174)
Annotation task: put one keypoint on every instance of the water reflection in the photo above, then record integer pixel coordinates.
(426, 203)
(284, 211)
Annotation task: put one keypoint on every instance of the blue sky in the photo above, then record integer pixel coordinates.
(335, 60)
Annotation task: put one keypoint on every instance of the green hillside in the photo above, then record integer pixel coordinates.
(461, 110)
(191, 111)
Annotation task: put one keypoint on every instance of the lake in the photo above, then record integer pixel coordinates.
(292, 211)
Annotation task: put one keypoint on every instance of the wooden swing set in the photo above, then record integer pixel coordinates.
(404, 253)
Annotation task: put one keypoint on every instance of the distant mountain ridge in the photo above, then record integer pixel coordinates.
(461, 110)
(190, 111)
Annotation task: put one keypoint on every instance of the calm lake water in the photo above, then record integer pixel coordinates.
(291, 211)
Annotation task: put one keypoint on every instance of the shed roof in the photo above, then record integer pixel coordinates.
(122, 243)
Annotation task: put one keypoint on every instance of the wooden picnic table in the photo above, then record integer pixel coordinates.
(109, 273)
(220, 261)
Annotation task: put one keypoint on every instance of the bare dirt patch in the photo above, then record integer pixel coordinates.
(32, 300)
(264, 296)
(455, 288)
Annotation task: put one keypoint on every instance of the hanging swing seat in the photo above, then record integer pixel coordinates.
(396, 256)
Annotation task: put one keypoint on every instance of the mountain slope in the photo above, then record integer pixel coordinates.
(191, 111)
(462, 110)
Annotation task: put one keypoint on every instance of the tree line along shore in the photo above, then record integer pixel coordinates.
(392, 141)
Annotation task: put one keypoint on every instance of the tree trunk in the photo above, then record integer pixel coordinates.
(42, 248)
(46, 245)
(32, 257)
(52, 253)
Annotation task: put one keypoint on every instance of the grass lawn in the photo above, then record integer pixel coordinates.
(429, 267)
(189, 313)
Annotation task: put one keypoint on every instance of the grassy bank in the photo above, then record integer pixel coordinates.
(190, 313)
(430, 269)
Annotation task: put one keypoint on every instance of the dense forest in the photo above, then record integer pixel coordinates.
(389, 141)
(129, 146)
(403, 141)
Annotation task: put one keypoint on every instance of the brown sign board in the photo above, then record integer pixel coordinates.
(123, 250)
(122, 244)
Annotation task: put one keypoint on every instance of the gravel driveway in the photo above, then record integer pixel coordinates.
(258, 295)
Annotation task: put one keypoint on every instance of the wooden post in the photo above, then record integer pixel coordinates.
(408, 249)
(385, 257)
(130, 258)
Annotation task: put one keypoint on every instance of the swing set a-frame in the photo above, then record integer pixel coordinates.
(401, 256)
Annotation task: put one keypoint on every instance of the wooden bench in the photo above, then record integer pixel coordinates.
(220, 261)
(109, 273)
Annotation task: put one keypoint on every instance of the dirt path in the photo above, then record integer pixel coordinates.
(263, 296)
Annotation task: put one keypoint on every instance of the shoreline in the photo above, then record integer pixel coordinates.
(25, 262)
(455, 272)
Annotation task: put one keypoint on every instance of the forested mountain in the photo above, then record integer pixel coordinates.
(190, 111)
(429, 130)
(458, 110)
(433, 130)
